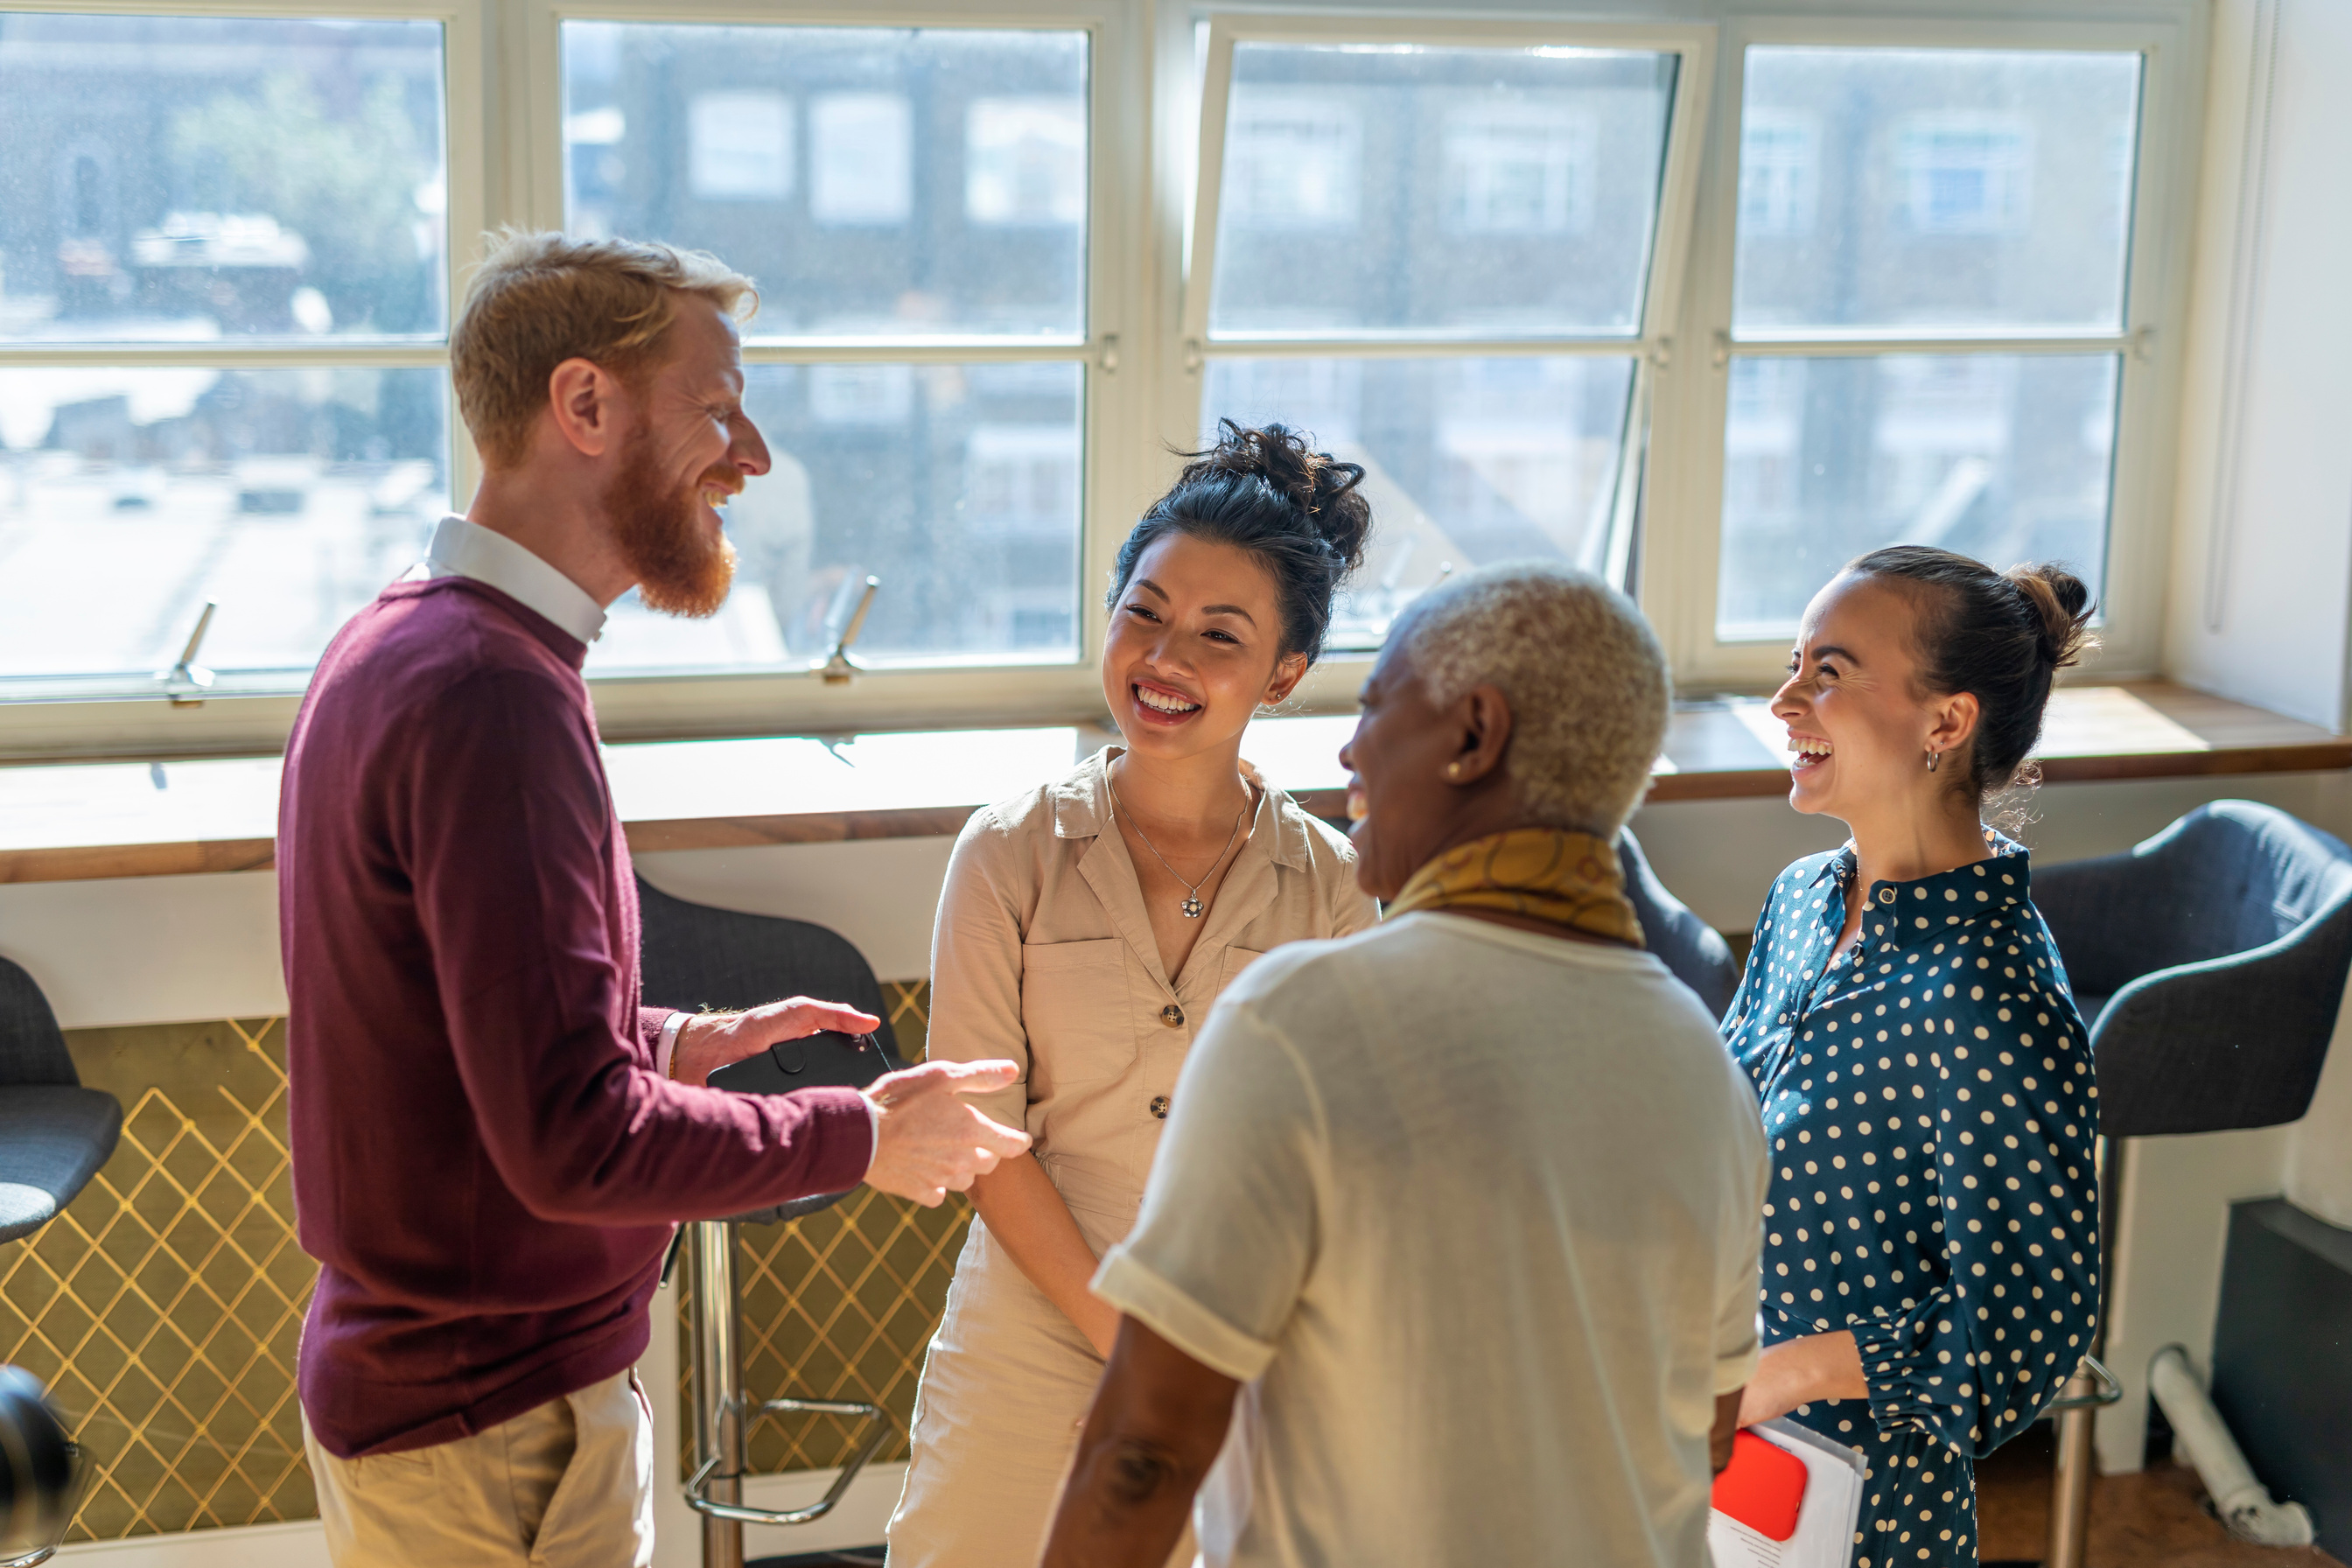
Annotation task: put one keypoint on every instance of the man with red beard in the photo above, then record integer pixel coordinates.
(491, 1139)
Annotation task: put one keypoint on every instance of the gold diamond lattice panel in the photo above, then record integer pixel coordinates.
(162, 1307)
(842, 1305)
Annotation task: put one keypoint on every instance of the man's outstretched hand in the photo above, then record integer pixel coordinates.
(713, 1040)
(928, 1142)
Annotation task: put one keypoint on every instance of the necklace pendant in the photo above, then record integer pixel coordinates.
(1194, 909)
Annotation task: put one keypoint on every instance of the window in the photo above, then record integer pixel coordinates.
(1709, 305)
(1926, 339)
(224, 287)
(940, 244)
(1437, 261)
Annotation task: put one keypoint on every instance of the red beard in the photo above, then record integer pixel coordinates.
(679, 571)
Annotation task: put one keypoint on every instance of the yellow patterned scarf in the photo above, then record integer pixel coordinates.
(1545, 873)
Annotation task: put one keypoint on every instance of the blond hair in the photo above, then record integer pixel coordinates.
(539, 299)
(1582, 671)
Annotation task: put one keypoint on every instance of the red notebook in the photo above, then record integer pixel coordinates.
(1763, 1486)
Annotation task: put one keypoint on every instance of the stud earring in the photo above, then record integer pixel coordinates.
(1454, 770)
(1935, 757)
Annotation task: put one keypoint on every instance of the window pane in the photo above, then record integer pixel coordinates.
(889, 182)
(2003, 456)
(176, 178)
(1925, 188)
(1467, 461)
(129, 496)
(1401, 188)
(958, 486)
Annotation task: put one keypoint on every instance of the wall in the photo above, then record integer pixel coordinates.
(2262, 538)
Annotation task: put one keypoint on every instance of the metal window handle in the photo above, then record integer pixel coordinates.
(879, 1425)
(840, 667)
(186, 682)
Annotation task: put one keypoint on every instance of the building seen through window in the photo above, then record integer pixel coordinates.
(1886, 194)
(191, 181)
(1370, 193)
(884, 186)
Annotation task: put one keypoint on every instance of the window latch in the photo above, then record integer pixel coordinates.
(1106, 353)
(840, 667)
(186, 682)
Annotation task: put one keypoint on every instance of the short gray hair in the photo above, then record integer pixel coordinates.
(1581, 670)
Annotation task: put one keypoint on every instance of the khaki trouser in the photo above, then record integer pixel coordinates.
(568, 1485)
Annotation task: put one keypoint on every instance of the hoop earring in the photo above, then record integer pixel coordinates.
(1935, 757)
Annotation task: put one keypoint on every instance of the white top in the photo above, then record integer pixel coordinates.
(463, 548)
(1478, 1210)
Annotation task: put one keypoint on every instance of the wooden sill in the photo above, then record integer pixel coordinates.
(140, 819)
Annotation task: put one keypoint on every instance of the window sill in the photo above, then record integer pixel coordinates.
(139, 819)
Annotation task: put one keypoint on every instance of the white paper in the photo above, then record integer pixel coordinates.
(1825, 1522)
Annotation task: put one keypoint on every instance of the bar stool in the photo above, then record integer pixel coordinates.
(2211, 961)
(697, 956)
(54, 1136)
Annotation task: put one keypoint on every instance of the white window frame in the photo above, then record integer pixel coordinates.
(1681, 538)
(1157, 116)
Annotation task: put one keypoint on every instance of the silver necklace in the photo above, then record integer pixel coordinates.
(1193, 907)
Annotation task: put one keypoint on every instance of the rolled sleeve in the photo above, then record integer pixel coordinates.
(1164, 1309)
(1226, 1240)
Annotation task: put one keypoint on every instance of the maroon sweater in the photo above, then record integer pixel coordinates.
(487, 1165)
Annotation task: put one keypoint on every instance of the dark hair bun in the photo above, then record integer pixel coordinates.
(2062, 604)
(1320, 487)
(1269, 491)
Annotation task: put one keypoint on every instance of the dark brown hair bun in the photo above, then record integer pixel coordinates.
(2063, 604)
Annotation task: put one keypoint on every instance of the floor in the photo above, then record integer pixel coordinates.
(2156, 1518)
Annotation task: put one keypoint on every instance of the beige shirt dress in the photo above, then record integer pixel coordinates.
(1044, 954)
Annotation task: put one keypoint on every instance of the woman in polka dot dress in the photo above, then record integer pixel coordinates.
(1931, 1231)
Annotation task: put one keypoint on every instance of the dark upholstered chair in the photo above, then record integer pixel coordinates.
(1693, 950)
(2208, 962)
(54, 1133)
(695, 956)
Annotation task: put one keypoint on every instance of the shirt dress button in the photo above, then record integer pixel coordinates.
(1160, 1106)
(1172, 1016)
(1885, 895)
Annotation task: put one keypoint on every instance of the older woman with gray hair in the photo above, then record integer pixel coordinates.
(1462, 1212)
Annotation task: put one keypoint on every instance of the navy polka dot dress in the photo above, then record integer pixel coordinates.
(1931, 1112)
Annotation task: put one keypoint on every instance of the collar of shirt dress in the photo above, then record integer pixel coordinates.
(1902, 915)
(463, 548)
(1277, 837)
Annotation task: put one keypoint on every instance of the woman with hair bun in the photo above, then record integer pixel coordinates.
(1931, 1231)
(1084, 930)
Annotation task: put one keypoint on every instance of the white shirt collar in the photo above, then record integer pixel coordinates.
(466, 549)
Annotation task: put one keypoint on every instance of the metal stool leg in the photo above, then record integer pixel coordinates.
(716, 1488)
(718, 1394)
(2092, 1387)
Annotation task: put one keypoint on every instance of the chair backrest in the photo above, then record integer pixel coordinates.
(696, 956)
(1693, 950)
(2210, 962)
(2230, 877)
(32, 1047)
